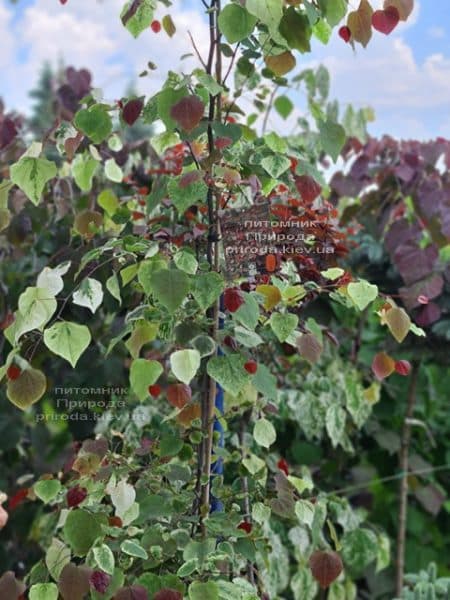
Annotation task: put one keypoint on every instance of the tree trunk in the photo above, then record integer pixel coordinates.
(403, 492)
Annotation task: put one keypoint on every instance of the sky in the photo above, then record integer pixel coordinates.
(404, 77)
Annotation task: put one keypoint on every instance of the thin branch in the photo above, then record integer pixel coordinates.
(196, 50)
(231, 65)
(269, 109)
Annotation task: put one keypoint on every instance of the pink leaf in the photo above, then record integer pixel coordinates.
(188, 112)
(385, 21)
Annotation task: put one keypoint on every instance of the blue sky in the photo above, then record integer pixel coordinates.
(405, 77)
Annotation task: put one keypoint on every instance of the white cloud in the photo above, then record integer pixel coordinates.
(437, 33)
(89, 34)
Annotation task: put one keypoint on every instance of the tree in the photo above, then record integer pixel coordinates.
(43, 110)
(187, 490)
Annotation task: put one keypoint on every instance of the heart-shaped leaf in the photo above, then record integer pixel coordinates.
(68, 340)
(31, 175)
(144, 373)
(170, 287)
(188, 112)
(73, 582)
(95, 122)
(27, 389)
(404, 7)
(281, 63)
(185, 364)
(360, 23)
(309, 347)
(325, 567)
(81, 530)
(43, 591)
(362, 293)
(10, 587)
(179, 394)
(383, 365)
(132, 111)
(385, 21)
(133, 592)
(398, 322)
(229, 372)
(283, 325)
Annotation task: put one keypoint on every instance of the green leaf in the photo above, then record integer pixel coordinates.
(384, 552)
(44, 591)
(332, 138)
(334, 10)
(185, 364)
(303, 585)
(203, 591)
(5, 218)
(144, 373)
(335, 423)
(332, 273)
(275, 165)
(204, 344)
(5, 186)
(112, 171)
(137, 15)
(56, 558)
(284, 106)
(398, 322)
(143, 333)
(170, 445)
(113, 287)
(184, 196)
(247, 337)
(133, 549)
(161, 141)
(167, 98)
(275, 142)
(248, 313)
(108, 201)
(170, 287)
(147, 269)
(83, 171)
(236, 23)
(81, 530)
(47, 489)
(51, 279)
(104, 558)
(362, 293)
(359, 549)
(268, 12)
(31, 175)
(264, 433)
(265, 382)
(322, 31)
(207, 81)
(89, 294)
(305, 512)
(283, 325)
(206, 288)
(295, 28)
(229, 372)
(36, 308)
(186, 261)
(68, 340)
(95, 122)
